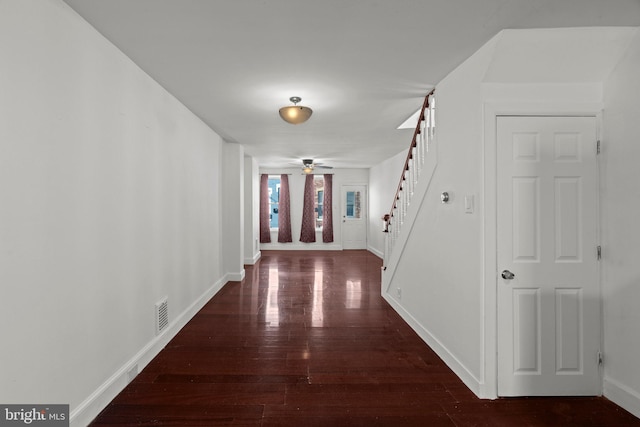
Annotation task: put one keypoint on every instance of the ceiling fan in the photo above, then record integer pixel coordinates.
(308, 166)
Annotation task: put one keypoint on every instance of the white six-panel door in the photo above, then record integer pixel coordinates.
(548, 287)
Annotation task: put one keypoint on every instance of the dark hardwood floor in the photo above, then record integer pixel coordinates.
(307, 340)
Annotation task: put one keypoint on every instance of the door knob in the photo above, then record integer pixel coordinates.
(507, 275)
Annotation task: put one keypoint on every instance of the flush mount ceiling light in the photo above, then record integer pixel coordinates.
(295, 114)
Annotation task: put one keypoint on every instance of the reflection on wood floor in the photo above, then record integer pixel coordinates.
(307, 340)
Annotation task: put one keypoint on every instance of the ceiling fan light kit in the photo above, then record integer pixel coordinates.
(295, 114)
(307, 166)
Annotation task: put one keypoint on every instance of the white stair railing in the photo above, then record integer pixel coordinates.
(416, 158)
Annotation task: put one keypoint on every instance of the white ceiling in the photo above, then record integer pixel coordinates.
(363, 66)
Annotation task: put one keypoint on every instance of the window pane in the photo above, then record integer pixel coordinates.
(274, 199)
(320, 203)
(353, 209)
(318, 182)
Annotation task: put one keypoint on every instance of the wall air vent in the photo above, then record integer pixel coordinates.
(162, 315)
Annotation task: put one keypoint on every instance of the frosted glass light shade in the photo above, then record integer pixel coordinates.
(295, 114)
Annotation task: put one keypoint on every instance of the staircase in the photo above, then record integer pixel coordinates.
(414, 181)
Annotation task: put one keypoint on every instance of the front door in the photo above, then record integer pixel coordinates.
(354, 217)
(548, 287)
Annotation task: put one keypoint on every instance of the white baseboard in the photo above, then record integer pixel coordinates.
(252, 261)
(449, 359)
(317, 246)
(622, 396)
(103, 395)
(235, 277)
(376, 252)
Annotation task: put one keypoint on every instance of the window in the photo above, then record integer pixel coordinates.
(318, 201)
(320, 204)
(353, 208)
(274, 200)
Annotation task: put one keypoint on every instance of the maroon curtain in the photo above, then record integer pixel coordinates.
(327, 221)
(284, 211)
(308, 231)
(265, 233)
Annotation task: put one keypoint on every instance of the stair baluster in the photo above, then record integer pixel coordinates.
(416, 158)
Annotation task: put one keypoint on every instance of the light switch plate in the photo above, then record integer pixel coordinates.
(468, 203)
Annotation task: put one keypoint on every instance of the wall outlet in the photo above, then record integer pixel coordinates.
(399, 293)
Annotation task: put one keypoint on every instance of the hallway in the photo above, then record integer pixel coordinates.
(307, 340)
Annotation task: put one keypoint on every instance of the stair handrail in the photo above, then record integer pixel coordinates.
(414, 142)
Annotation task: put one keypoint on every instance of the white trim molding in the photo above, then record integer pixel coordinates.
(622, 396)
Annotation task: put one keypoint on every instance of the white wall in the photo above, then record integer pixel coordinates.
(233, 221)
(110, 192)
(621, 233)
(251, 211)
(383, 184)
(437, 285)
(444, 284)
(296, 191)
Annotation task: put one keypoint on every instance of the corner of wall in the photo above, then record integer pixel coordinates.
(622, 396)
(621, 131)
(375, 251)
(253, 260)
(235, 276)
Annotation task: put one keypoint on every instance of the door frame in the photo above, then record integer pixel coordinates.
(488, 381)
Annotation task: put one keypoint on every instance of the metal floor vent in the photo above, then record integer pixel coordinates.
(162, 315)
